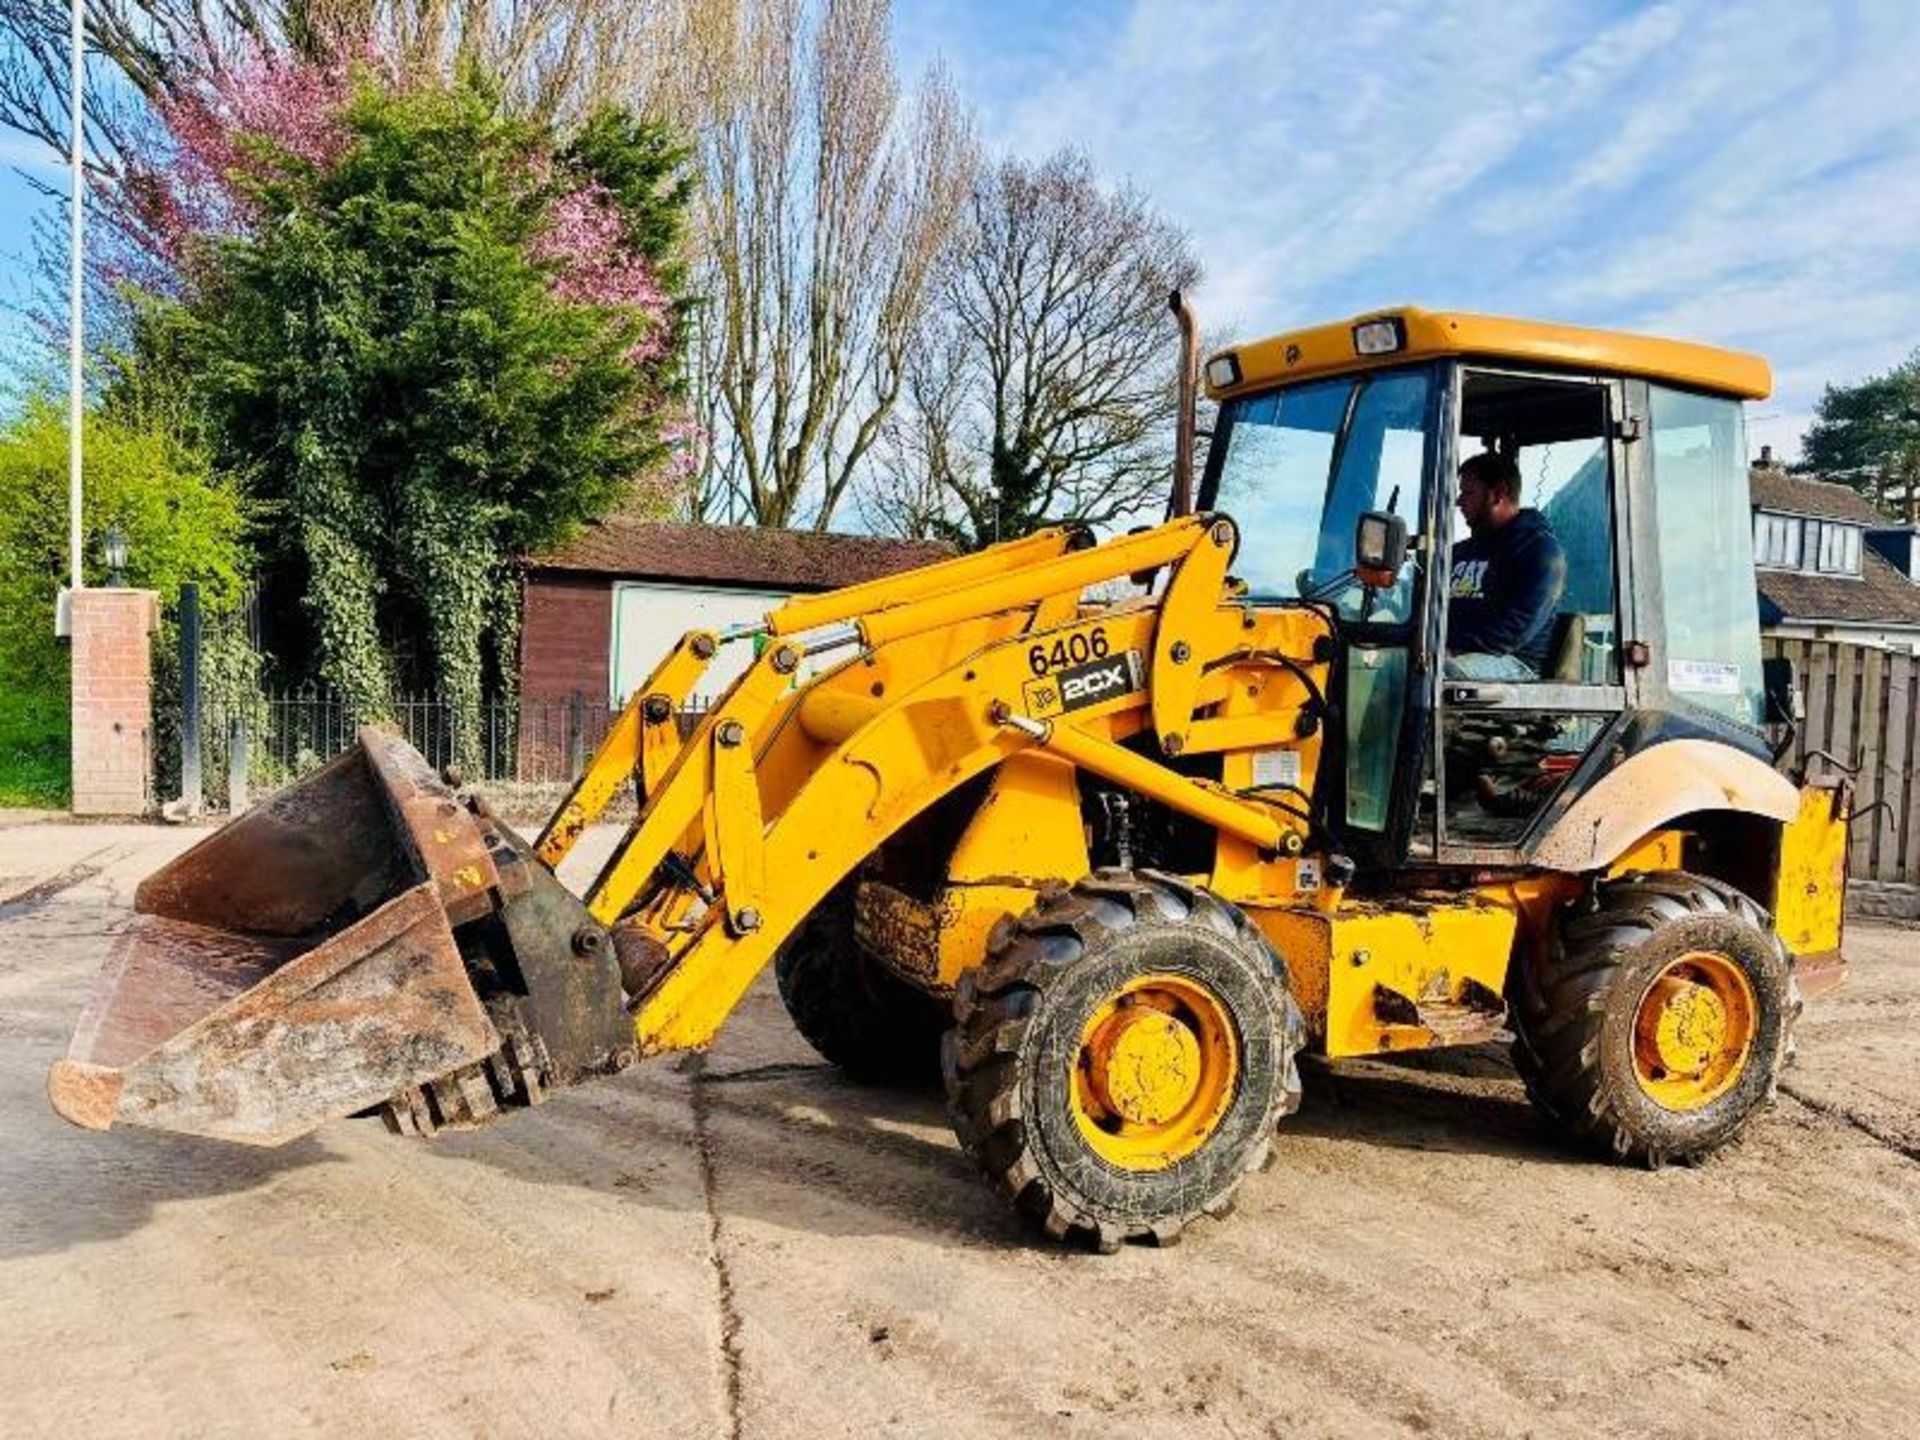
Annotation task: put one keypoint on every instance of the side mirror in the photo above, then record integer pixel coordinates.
(1379, 548)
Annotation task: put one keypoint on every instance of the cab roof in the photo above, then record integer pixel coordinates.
(1336, 348)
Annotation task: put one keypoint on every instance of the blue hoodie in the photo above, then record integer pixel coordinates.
(1504, 590)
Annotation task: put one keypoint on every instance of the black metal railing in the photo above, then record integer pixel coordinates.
(271, 739)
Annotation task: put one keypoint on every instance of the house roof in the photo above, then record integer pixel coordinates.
(1773, 488)
(1881, 595)
(785, 560)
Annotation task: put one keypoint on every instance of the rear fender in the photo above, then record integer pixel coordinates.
(1651, 789)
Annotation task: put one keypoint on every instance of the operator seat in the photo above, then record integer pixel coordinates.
(1567, 649)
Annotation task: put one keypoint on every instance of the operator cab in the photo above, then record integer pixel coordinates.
(1631, 468)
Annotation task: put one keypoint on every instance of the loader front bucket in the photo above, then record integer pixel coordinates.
(362, 941)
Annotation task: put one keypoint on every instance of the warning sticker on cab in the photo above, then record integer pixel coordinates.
(1079, 686)
(1703, 677)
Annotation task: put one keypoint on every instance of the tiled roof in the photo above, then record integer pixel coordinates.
(785, 560)
(1880, 595)
(1774, 489)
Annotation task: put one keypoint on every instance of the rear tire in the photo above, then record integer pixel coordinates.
(1655, 1026)
(856, 1012)
(1120, 1061)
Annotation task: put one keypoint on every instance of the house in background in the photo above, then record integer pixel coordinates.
(599, 612)
(1829, 566)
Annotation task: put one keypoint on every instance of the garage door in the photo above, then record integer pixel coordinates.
(648, 619)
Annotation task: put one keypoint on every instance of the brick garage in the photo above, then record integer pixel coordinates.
(598, 611)
(566, 625)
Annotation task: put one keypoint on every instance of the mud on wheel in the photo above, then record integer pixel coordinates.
(1655, 1025)
(1120, 1061)
(857, 1013)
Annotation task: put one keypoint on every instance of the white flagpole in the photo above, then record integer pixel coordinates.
(76, 318)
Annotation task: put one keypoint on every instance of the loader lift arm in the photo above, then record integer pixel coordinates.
(645, 739)
(768, 852)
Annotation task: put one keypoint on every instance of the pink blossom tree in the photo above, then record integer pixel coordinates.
(435, 334)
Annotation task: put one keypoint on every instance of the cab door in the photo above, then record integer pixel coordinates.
(1510, 738)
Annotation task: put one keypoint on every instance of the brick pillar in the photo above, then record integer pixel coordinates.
(112, 703)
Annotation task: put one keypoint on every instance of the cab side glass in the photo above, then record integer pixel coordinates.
(1381, 465)
(1705, 553)
(1376, 699)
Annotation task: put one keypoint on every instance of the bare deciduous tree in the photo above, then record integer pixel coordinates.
(823, 213)
(1045, 391)
(558, 59)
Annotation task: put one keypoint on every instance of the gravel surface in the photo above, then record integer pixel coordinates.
(746, 1245)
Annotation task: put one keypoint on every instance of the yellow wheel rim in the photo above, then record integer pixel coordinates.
(1157, 1068)
(1694, 1031)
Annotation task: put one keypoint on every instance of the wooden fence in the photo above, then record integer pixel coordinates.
(1860, 705)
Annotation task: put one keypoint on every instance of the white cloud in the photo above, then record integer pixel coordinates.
(1748, 174)
(18, 152)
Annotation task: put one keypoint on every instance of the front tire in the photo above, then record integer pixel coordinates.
(1119, 1063)
(1655, 1026)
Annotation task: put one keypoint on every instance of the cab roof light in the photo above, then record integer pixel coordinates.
(1380, 337)
(1223, 371)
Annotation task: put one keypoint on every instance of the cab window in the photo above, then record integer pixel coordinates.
(1297, 467)
(1705, 553)
(1531, 599)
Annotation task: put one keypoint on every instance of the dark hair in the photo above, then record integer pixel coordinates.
(1497, 472)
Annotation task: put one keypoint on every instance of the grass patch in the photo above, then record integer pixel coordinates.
(36, 767)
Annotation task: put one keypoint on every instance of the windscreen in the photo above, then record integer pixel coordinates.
(1297, 467)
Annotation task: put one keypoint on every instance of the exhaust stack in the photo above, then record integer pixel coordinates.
(1189, 403)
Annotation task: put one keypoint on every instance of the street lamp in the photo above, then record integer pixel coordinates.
(114, 545)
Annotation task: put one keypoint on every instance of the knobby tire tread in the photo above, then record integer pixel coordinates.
(996, 1005)
(1564, 997)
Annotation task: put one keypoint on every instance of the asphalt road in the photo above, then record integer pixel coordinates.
(750, 1246)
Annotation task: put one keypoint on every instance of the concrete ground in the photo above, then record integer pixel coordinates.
(753, 1247)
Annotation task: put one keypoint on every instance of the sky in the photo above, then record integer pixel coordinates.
(1741, 173)
(1746, 174)
(19, 204)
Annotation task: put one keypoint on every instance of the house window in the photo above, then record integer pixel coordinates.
(1840, 549)
(1776, 540)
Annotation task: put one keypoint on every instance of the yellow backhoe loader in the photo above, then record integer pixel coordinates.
(1109, 834)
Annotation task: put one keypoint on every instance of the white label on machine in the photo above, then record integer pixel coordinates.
(1306, 873)
(1703, 677)
(1276, 767)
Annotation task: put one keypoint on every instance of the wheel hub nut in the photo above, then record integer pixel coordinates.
(1146, 1067)
(1691, 1025)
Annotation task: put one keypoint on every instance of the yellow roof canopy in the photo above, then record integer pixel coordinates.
(1429, 334)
